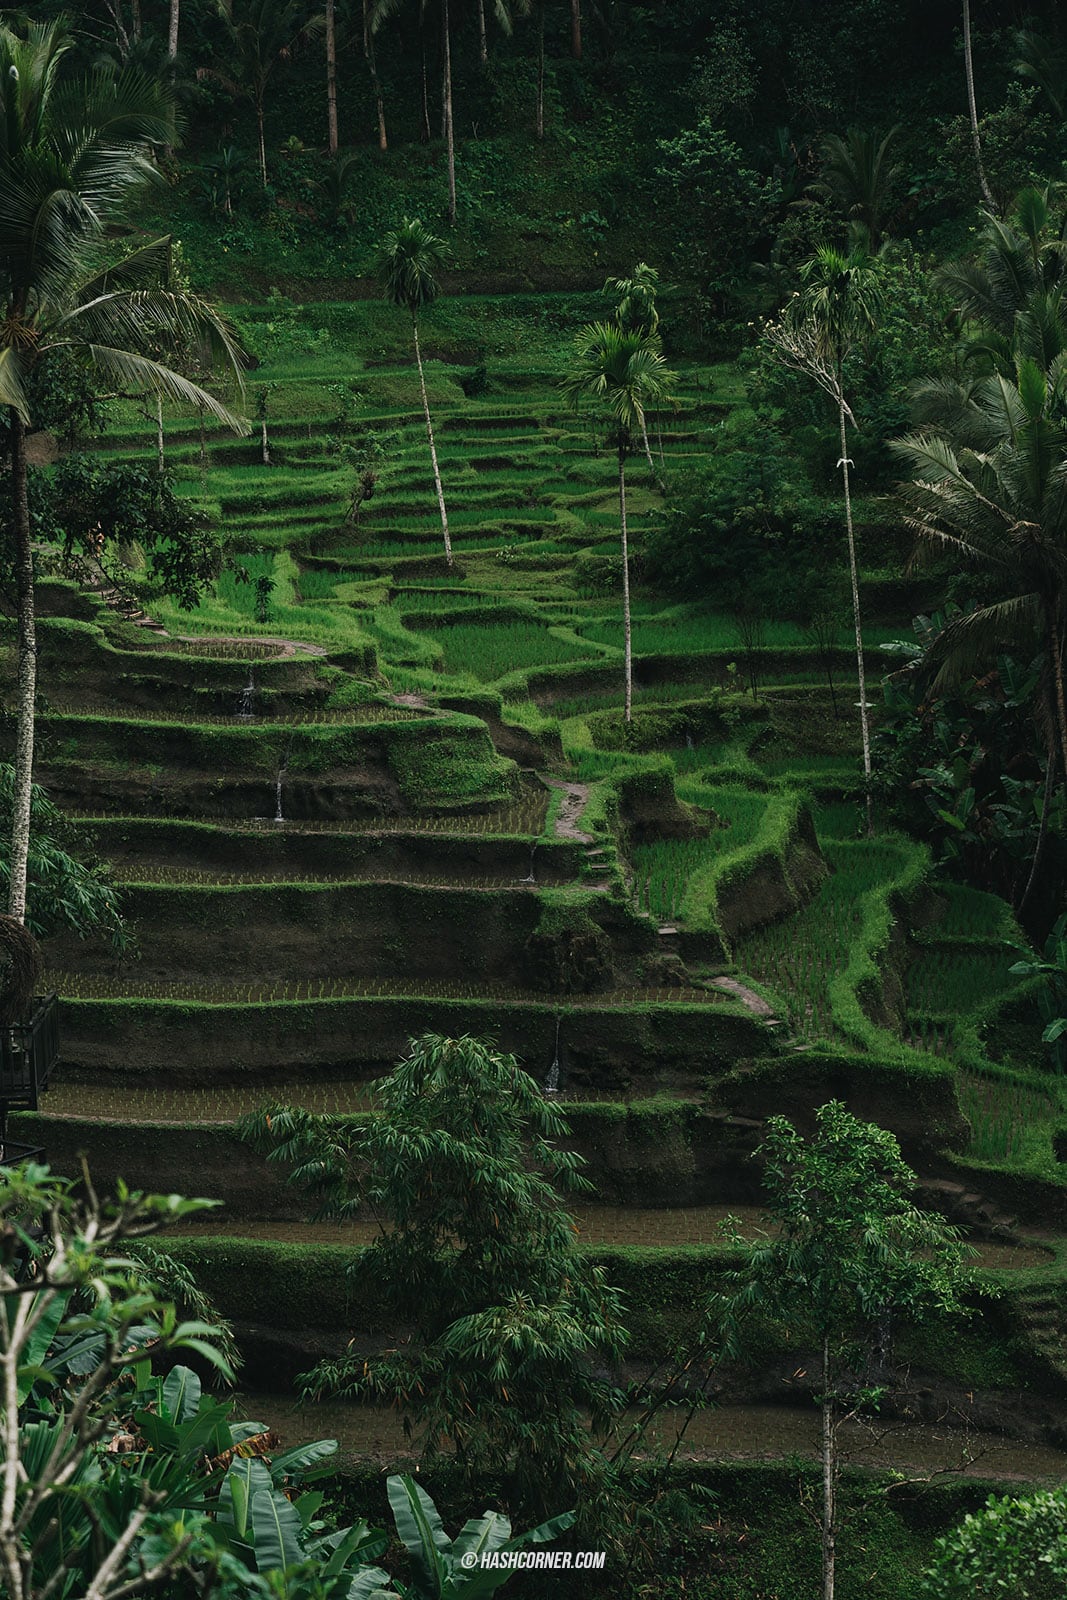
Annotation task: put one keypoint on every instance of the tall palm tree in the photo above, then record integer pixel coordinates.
(406, 264)
(623, 372)
(637, 312)
(823, 325)
(262, 34)
(72, 152)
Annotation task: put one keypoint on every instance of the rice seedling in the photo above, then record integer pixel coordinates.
(798, 957)
(957, 980)
(662, 868)
(487, 651)
(1001, 1113)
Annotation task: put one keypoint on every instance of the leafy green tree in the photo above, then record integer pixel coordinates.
(406, 264)
(1052, 995)
(851, 1249)
(72, 153)
(821, 327)
(508, 1322)
(1016, 1545)
(620, 373)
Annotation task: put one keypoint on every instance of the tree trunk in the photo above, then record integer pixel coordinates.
(648, 453)
(829, 1481)
(576, 29)
(483, 42)
(331, 75)
(372, 67)
(433, 447)
(626, 629)
(172, 32)
(27, 672)
(264, 443)
(135, 18)
(262, 142)
(865, 729)
(540, 120)
(425, 99)
(450, 138)
(161, 459)
(972, 109)
(1057, 674)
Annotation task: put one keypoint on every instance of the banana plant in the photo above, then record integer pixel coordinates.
(453, 1569)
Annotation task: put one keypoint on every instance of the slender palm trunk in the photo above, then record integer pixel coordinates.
(172, 31)
(161, 459)
(27, 672)
(540, 120)
(1057, 674)
(483, 42)
(1042, 837)
(376, 85)
(648, 453)
(135, 15)
(262, 141)
(425, 98)
(865, 727)
(264, 442)
(433, 447)
(331, 75)
(626, 628)
(972, 109)
(576, 29)
(829, 1481)
(450, 137)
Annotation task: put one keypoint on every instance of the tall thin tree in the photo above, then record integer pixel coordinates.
(972, 109)
(622, 372)
(72, 153)
(822, 327)
(407, 263)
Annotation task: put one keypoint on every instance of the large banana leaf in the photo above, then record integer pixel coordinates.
(181, 1394)
(305, 1460)
(276, 1530)
(36, 1348)
(422, 1532)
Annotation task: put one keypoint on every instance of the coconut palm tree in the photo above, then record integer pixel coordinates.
(406, 264)
(262, 34)
(72, 152)
(857, 176)
(822, 327)
(989, 484)
(622, 372)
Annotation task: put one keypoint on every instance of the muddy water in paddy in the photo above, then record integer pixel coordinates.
(598, 1225)
(739, 1433)
(225, 1102)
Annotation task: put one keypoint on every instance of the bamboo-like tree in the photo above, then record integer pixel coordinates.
(822, 326)
(262, 35)
(623, 373)
(72, 152)
(406, 264)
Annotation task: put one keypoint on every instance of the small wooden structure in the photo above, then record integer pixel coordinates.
(28, 1054)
